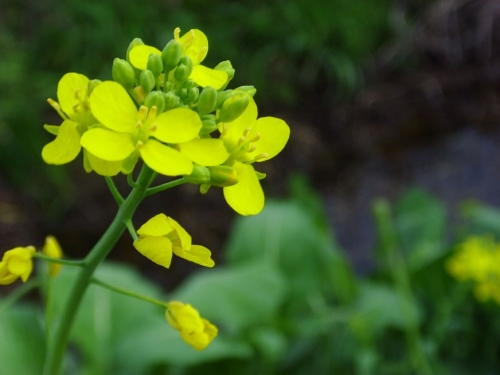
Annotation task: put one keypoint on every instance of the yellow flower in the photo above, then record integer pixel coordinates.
(16, 263)
(250, 140)
(129, 132)
(52, 249)
(195, 331)
(195, 45)
(161, 236)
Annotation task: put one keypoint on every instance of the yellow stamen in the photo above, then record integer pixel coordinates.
(153, 128)
(139, 145)
(241, 140)
(246, 131)
(256, 138)
(57, 107)
(251, 149)
(224, 129)
(261, 156)
(152, 113)
(139, 124)
(142, 113)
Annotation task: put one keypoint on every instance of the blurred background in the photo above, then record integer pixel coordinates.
(393, 161)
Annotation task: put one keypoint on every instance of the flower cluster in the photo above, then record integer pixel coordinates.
(478, 260)
(173, 113)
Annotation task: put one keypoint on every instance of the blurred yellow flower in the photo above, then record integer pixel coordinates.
(194, 330)
(52, 249)
(161, 236)
(478, 260)
(16, 263)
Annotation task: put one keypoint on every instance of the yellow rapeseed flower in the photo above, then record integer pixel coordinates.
(250, 140)
(52, 249)
(161, 236)
(16, 263)
(194, 330)
(194, 44)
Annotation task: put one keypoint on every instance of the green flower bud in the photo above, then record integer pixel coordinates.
(250, 90)
(188, 84)
(193, 94)
(207, 127)
(200, 175)
(186, 60)
(147, 80)
(222, 176)
(93, 83)
(233, 107)
(207, 100)
(221, 97)
(181, 73)
(123, 73)
(155, 64)
(168, 86)
(155, 98)
(183, 94)
(171, 100)
(227, 67)
(171, 55)
(136, 42)
(207, 117)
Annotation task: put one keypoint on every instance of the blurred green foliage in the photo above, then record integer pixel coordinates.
(287, 302)
(287, 49)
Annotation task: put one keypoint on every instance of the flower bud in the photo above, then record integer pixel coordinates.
(188, 84)
(193, 94)
(227, 67)
(200, 175)
(207, 100)
(140, 94)
(250, 90)
(233, 107)
(171, 55)
(208, 126)
(183, 94)
(136, 42)
(186, 60)
(155, 98)
(147, 80)
(155, 64)
(123, 73)
(181, 73)
(171, 100)
(167, 86)
(221, 97)
(93, 83)
(222, 176)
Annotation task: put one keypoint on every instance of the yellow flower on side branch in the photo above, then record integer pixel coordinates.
(161, 236)
(16, 263)
(52, 249)
(194, 330)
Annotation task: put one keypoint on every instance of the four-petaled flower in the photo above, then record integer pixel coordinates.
(162, 235)
(16, 263)
(194, 330)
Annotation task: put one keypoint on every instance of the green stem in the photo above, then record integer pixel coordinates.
(166, 186)
(18, 293)
(128, 293)
(55, 352)
(114, 191)
(131, 229)
(130, 181)
(73, 263)
(401, 278)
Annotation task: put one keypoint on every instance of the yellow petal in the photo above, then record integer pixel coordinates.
(139, 56)
(157, 226)
(177, 125)
(196, 43)
(52, 129)
(19, 261)
(108, 145)
(129, 163)
(156, 249)
(274, 134)
(236, 128)
(246, 197)
(165, 160)
(52, 249)
(196, 254)
(113, 107)
(204, 76)
(103, 167)
(207, 152)
(71, 87)
(198, 341)
(181, 233)
(65, 147)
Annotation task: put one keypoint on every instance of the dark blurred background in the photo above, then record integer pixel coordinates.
(379, 94)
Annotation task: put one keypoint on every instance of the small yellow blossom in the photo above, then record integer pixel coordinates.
(194, 330)
(195, 45)
(16, 263)
(250, 140)
(478, 260)
(161, 236)
(52, 249)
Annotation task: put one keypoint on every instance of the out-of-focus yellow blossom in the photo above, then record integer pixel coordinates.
(194, 44)
(250, 140)
(161, 236)
(52, 249)
(194, 330)
(478, 259)
(16, 263)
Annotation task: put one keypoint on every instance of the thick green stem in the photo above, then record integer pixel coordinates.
(55, 353)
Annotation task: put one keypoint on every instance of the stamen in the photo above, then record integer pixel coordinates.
(224, 128)
(256, 138)
(142, 113)
(153, 128)
(241, 140)
(57, 107)
(79, 97)
(152, 113)
(261, 156)
(139, 145)
(251, 149)
(246, 131)
(139, 124)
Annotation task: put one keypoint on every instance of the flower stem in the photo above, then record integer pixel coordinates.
(131, 229)
(128, 293)
(55, 352)
(73, 263)
(114, 190)
(165, 186)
